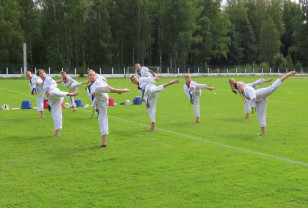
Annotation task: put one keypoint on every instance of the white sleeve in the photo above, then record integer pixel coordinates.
(40, 81)
(186, 90)
(146, 80)
(250, 93)
(145, 72)
(193, 84)
(72, 80)
(256, 83)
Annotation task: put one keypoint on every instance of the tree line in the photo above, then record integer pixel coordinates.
(173, 33)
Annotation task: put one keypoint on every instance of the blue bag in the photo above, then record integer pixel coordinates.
(26, 104)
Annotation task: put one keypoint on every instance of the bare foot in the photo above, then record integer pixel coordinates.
(74, 109)
(291, 73)
(42, 116)
(56, 134)
(269, 80)
(103, 145)
(211, 88)
(197, 120)
(247, 115)
(152, 129)
(261, 134)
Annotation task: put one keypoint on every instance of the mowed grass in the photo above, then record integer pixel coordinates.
(175, 166)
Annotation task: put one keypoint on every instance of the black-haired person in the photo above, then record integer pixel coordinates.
(260, 97)
(150, 94)
(55, 99)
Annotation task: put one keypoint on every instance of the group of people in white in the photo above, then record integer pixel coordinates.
(145, 80)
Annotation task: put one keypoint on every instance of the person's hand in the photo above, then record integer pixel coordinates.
(257, 101)
(48, 93)
(156, 79)
(191, 89)
(93, 94)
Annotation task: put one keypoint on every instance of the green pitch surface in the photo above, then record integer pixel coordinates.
(219, 162)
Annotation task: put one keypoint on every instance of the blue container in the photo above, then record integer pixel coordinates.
(26, 104)
(137, 100)
(78, 103)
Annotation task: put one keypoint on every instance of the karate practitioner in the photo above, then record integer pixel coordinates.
(144, 71)
(36, 87)
(260, 97)
(72, 85)
(193, 91)
(247, 103)
(55, 98)
(150, 94)
(99, 91)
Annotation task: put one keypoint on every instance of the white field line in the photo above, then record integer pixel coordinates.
(211, 142)
(14, 91)
(198, 138)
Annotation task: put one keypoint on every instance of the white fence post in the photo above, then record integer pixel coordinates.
(20, 70)
(227, 70)
(62, 69)
(262, 70)
(7, 70)
(302, 70)
(168, 70)
(253, 70)
(112, 70)
(236, 70)
(124, 69)
(100, 70)
(270, 70)
(286, 70)
(178, 70)
(208, 71)
(75, 71)
(278, 70)
(35, 70)
(245, 70)
(198, 70)
(49, 70)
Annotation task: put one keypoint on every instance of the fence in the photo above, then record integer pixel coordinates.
(110, 71)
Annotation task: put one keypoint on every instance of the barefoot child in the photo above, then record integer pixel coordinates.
(260, 97)
(99, 91)
(255, 85)
(36, 86)
(72, 85)
(193, 91)
(150, 94)
(55, 98)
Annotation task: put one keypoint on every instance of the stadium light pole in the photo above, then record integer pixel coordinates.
(25, 56)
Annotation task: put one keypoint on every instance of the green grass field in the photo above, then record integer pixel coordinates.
(219, 162)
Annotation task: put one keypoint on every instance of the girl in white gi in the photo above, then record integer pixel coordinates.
(260, 97)
(72, 85)
(55, 98)
(150, 93)
(36, 86)
(99, 91)
(193, 91)
(247, 103)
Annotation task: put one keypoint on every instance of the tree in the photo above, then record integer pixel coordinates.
(269, 41)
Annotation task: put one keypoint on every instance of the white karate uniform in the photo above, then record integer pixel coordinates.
(194, 95)
(254, 85)
(72, 85)
(54, 100)
(261, 95)
(101, 90)
(150, 94)
(39, 90)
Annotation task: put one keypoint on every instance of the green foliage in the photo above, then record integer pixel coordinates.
(153, 32)
(279, 61)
